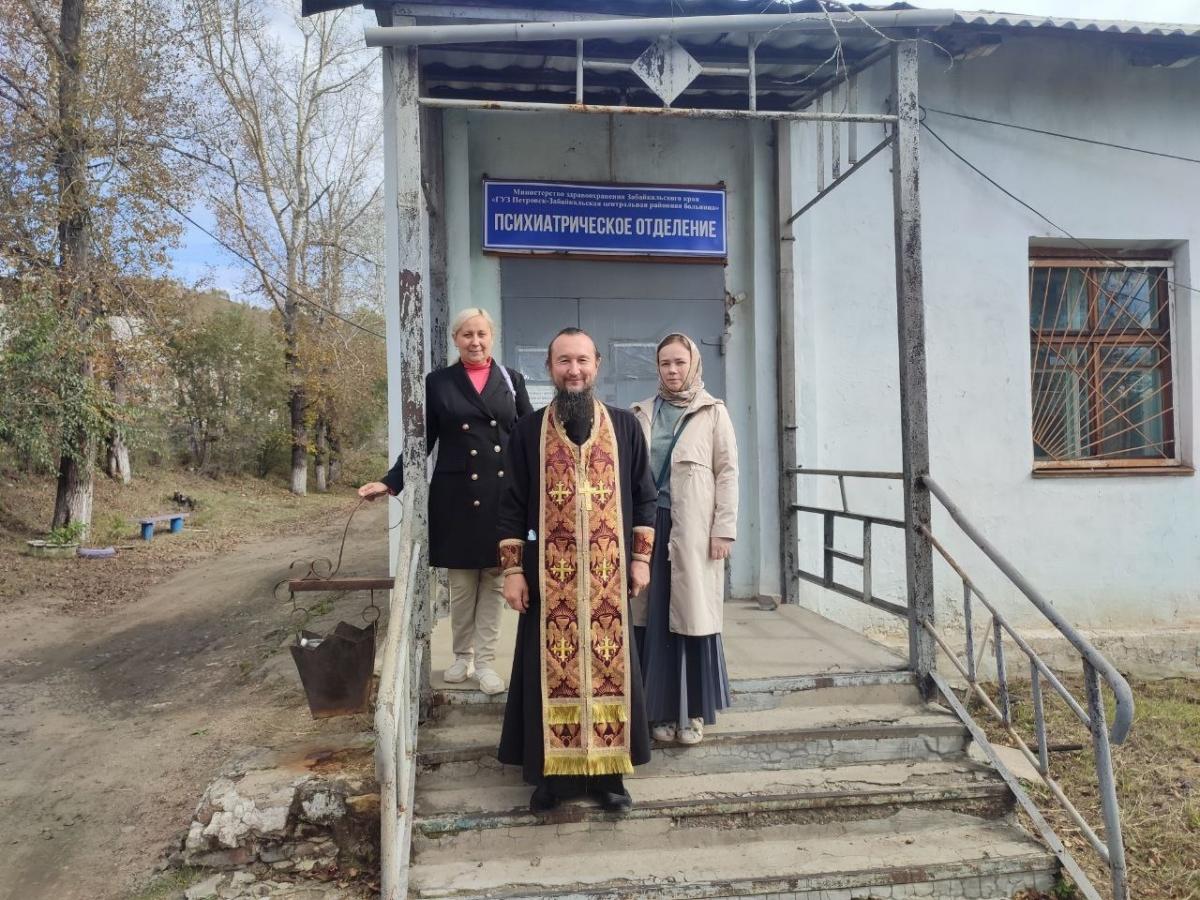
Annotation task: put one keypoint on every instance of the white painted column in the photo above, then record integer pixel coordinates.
(765, 309)
(459, 246)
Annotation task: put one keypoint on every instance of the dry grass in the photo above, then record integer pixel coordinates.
(1158, 784)
(229, 511)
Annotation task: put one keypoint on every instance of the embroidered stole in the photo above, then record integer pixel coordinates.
(582, 579)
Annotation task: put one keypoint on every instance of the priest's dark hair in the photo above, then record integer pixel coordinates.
(568, 332)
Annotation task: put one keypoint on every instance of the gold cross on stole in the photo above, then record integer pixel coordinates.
(562, 649)
(593, 491)
(604, 569)
(560, 493)
(608, 648)
(562, 569)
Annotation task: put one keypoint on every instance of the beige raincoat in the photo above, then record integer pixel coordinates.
(704, 505)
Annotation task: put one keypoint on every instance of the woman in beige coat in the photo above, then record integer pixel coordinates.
(693, 457)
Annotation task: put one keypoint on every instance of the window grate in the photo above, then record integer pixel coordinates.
(1102, 361)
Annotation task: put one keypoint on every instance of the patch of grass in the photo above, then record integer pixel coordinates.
(110, 528)
(66, 534)
(1158, 783)
(169, 884)
(230, 510)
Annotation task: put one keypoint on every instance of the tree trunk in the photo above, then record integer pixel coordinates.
(335, 458)
(73, 499)
(321, 458)
(117, 463)
(73, 502)
(299, 441)
(296, 395)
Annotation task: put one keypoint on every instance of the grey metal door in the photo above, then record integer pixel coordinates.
(626, 307)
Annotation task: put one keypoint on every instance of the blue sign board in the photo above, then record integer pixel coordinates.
(564, 217)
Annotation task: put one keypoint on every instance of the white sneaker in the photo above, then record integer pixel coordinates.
(489, 681)
(693, 734)
(663, 731)
(458, 671)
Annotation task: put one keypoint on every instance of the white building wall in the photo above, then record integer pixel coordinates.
(1109, 552)
(593, 148)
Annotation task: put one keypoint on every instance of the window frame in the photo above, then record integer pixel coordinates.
(1050, 258)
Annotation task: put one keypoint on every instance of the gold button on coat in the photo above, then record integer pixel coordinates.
(500, 473)
(474, 476)
(476, 503)
(492, 423)
(497, 448)
(474, 452)
(466, 427)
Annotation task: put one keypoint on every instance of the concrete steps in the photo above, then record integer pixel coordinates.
(843, 787)
(783, 730)
(448, 806)
(913, 853)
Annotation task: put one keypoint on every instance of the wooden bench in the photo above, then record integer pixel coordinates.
(147, 523)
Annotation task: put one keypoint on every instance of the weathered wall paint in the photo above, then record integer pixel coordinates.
(1108, 552)
(585, 148)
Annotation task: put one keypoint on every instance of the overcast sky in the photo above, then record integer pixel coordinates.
(201, 259)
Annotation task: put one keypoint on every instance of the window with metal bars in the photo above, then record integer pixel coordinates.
(1103, 363)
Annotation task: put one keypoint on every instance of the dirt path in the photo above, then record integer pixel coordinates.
(111, 728)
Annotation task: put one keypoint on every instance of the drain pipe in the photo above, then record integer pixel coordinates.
(409, 35)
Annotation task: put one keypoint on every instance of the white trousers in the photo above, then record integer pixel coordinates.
(476, 603)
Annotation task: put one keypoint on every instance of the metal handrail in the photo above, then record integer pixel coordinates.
(1123, 720)
(396, 716)
(830, 517)
(1112, 849)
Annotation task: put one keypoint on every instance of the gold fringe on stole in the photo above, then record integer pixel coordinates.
(609, 712)
(609, 764)
(564, 715)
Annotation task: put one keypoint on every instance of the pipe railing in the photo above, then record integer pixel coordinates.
(1110, 849)
(1096, 669)
(833, 23)
(829, 552)
(397, 709)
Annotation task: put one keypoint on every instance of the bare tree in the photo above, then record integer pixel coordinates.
(88, 127)
(283, 145)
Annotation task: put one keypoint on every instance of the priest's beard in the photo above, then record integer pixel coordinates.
(574, 409)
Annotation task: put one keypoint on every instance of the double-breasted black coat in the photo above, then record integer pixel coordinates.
(470, 430)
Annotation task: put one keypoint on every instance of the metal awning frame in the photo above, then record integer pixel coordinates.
(756, 27)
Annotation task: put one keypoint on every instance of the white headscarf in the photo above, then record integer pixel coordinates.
(693, 384)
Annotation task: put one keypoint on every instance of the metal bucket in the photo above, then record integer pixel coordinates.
(336, 669)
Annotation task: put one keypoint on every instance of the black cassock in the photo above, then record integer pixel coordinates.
(521, 741)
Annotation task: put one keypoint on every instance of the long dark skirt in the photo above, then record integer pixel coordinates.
(521, 735)
(684, 674)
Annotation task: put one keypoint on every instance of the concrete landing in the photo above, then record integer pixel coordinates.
(788, 641)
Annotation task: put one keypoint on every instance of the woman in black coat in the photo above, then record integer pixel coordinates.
(470, 408)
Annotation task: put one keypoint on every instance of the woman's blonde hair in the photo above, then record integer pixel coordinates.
(469, 313)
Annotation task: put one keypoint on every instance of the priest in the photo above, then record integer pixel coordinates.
(576, 532)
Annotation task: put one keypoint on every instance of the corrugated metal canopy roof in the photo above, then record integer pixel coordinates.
(987, 18)
(792, 66)
(1103, 26)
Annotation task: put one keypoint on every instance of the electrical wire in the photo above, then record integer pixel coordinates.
(265, 274)
(1002, 189)
(1067, 137)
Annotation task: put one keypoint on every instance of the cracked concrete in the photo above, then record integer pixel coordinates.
(829, 779)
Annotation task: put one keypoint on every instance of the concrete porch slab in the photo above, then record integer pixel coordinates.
(759, 644)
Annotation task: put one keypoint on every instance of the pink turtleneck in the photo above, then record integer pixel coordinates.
(478, 373)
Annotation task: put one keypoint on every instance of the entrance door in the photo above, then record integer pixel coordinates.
(626, 307)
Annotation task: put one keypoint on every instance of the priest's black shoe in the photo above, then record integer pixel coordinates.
(544, 799)
(611, 801)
